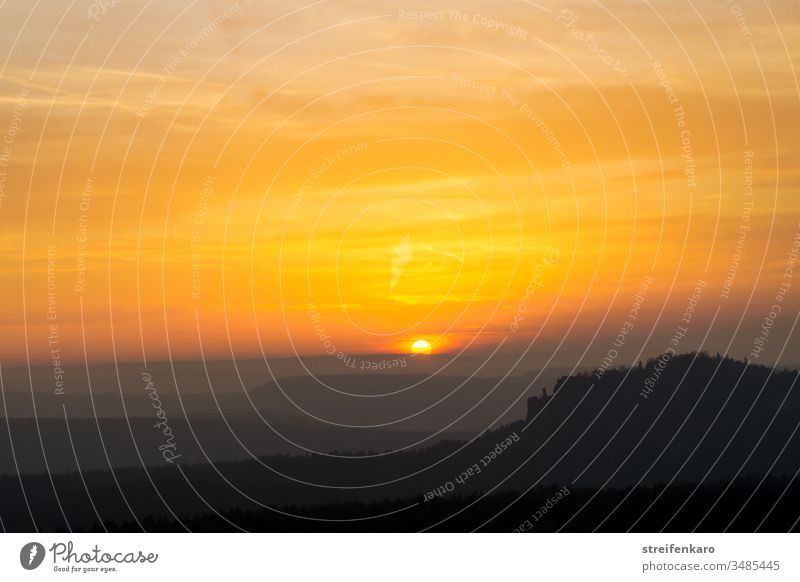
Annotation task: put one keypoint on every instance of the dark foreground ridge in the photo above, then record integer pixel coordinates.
(543, 509)
(677, 443)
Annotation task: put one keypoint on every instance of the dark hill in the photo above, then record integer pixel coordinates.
(712, 442)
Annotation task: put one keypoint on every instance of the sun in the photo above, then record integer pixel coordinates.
(421, 346)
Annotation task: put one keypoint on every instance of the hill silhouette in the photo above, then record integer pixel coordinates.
(698, 441)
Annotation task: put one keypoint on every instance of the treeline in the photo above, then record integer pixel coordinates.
(745, 506)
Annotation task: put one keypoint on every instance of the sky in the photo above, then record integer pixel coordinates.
(264, 179)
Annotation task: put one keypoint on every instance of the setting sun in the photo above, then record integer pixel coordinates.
(421, 347)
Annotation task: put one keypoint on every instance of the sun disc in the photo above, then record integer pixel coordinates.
(421, 346)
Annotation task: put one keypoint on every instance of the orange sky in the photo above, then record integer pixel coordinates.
(231, 164)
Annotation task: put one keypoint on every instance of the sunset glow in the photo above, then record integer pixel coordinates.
(233, 181)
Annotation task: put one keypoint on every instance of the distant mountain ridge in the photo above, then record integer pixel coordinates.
(708, 420)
